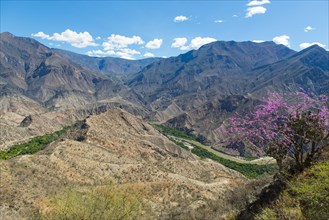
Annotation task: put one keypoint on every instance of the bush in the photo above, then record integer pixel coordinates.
(33, 145)
(312, 189)
(101, 203)
(176, 132)
(307, 197)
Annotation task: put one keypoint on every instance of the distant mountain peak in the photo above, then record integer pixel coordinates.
(314, 47)
(5, 35)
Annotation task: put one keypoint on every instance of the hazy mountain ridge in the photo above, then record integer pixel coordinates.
(110, 66)
(40, 73)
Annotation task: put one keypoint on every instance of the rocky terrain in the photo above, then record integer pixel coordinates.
(108, 103)
(120, 148)
(37, 82)
(196, 91)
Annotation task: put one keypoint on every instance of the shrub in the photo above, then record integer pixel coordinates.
(312, 189)
(33, 145)
(306, 198)
(101, 203)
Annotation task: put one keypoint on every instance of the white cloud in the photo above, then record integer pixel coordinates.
(306, 45)
(129, 51)
(124, 53)
(99, 53)
(255, 10)
(42, 35)
(283, 39)
(196, 43)
(180, 18)
(179, 42)
(154, 44)
(235, 16)
(309, 28)
(80, 40)
(98, 38)
(258, 41)
(259, 2)
(148, 54)
(218, 21)
(118, 45)
(116, 41)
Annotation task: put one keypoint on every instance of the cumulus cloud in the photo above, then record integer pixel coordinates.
(258, 41)
(218, 21)
(255, 10)
(129, 51)
(154, 44)
(196, 43)
(125, 53)
(283, 39)
(99, 53)
(98, 38)
(116, 41)
(259, 2)
(306, 45)
(118, 45)
(80, 40)
(179, 42)
(309, 28)
(180, 18)
(148, 54)
(42, 35)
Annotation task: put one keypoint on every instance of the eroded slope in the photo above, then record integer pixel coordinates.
(120, 148)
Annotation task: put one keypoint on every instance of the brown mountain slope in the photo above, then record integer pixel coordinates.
(198, 90)
(121, 148)
(29, 68)
(55, 91)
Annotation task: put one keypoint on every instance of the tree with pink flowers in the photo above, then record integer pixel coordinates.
(293, 127)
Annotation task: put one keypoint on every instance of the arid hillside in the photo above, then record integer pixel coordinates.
(120, 148)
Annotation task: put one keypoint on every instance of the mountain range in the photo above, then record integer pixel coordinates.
(195, 91)
(110, 145)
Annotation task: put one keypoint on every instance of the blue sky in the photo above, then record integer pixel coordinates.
(140, 29)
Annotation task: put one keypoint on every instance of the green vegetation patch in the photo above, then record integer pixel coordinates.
(307, 197)
(105, 202)
(32, 146)
(179, 143)
(247, 169)
(312, 190)
(175, 132)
